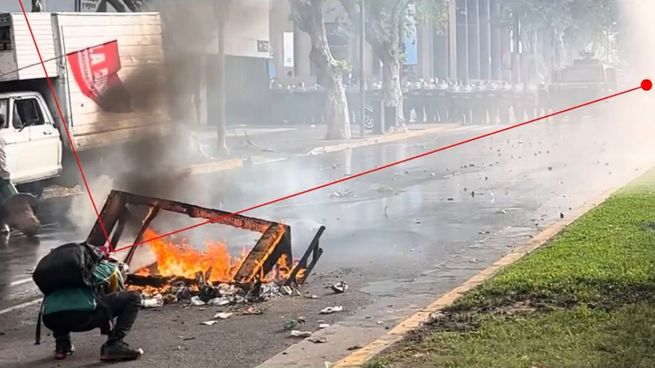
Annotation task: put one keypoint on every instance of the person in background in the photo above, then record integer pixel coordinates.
(15, 208)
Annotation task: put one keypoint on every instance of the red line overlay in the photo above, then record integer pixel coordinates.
(64, 122)
(386, 166)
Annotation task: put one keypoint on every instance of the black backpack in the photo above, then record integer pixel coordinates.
(67, 266)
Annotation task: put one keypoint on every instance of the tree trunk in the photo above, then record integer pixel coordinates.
(336, 107)
(392, 89)
(337, 117)
(221, 9)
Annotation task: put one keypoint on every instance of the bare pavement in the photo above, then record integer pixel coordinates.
(400, 238)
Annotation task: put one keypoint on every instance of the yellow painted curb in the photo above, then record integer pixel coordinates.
(361, 356)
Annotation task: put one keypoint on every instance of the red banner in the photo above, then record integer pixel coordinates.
(95, 71)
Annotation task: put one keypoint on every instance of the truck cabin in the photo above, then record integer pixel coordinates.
(22, 109)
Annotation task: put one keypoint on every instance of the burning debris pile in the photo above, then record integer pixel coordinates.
(183, 274)
(213, 277)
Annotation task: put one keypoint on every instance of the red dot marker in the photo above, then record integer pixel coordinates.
(646, 84)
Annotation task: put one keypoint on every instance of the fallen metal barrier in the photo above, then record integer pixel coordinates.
(122, 209)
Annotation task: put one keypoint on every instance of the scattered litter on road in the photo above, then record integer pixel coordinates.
(156, 301)
(380, 323)
(340, 287)
(286, 290)
(251, 311)
(219, 302)
(330, 310)
(561, 215)
(383, 189)
(313, 296)
(323, 325)
(297, 333)
(209, 323)
(318, 339)
(187, 338)
(223, 315)
(341, 194)
(355, 347)
(291, 324)
(195, 300)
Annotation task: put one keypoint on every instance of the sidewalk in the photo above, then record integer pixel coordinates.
(586, 299)
(265, 142)
(257, 145)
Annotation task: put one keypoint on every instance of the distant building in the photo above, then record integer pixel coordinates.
(476, 44)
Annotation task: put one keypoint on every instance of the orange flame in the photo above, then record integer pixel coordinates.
(182, 260)
(185, 261)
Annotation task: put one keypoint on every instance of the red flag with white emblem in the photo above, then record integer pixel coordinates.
(95, 70)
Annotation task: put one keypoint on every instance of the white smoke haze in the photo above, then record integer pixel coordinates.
(624, 127)
(141, 168)
(81, 213)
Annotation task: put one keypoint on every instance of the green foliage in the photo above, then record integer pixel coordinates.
(595, 289)
(388, 20)
(576, 338)
(434, 12)
(341, 66)
(578, 22)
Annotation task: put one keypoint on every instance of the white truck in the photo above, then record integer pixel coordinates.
(107, 71)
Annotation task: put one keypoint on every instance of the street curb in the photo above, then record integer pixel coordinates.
(370, 141)
(400, 331)
(237, 163)
(208, 167)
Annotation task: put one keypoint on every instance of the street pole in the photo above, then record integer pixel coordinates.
(362, 66)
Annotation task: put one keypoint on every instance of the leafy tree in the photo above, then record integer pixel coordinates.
(577, 24)
(387, 24)
(595, 22)
(308, 16)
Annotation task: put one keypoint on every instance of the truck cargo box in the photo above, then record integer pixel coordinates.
(108, 70)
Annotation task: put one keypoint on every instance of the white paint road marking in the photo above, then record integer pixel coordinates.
(20, 306)
(20, 282)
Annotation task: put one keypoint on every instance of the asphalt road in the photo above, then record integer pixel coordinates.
(400, 237)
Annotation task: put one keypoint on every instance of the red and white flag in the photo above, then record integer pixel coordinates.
(95, 70)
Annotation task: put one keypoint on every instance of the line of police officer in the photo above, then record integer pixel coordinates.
(480, 102)
(425, 101)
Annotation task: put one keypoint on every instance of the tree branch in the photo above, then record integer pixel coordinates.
(376, 36)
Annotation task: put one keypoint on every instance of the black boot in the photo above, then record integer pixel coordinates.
(118, 350)
(63, 349)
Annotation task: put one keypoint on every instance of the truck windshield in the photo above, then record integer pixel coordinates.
(28, 113)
